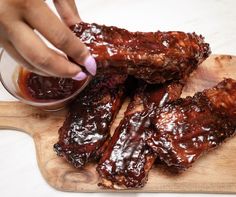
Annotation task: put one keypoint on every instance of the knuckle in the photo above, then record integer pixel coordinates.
(7, 19)
(42, 61)
(61, 39)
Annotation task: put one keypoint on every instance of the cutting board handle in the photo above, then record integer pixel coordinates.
(15, 115)
(21, 117)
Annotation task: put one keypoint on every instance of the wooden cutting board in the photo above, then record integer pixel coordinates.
(214, 172)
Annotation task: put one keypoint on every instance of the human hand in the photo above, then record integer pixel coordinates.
(19, 19)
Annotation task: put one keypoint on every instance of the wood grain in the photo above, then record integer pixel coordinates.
(214, 172)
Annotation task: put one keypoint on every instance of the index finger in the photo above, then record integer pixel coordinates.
(59, 35)
(67, 11)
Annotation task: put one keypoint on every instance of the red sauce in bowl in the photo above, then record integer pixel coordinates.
(44, 89)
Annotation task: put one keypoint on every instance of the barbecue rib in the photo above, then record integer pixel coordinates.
(189, 127)
(86, 128)
(127, 160)
(155, 57)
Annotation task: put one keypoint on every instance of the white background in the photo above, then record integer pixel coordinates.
(215, 19)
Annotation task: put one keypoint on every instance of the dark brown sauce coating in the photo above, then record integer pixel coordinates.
(39, 88)
(155, 57)
(188, 128)
(127, 160)
(127, 155)
(86, 127)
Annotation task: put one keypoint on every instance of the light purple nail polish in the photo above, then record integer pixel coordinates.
(80, 76)
(90, 65)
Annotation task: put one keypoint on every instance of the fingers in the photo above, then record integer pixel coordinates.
(60, 35)
(14, 54)
(67, 11)
(73, 6)
(34, 51)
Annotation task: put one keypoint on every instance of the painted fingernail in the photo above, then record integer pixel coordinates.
(90, 65)
(80, 76)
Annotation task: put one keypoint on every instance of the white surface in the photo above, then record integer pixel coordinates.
(215, 19)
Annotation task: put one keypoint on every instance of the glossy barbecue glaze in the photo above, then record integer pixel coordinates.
(187, 128)
(86, 128)
(155, 57)
(127, 160)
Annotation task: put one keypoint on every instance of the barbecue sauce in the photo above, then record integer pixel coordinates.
(43, 89)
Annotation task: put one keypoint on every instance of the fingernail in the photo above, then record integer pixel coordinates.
(90, 65)
(80, 76)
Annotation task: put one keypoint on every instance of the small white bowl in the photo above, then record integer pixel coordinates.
(9, 74)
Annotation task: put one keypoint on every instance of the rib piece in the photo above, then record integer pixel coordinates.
(127, 160)
(155, 57)
(189, 127)
(86, 128)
